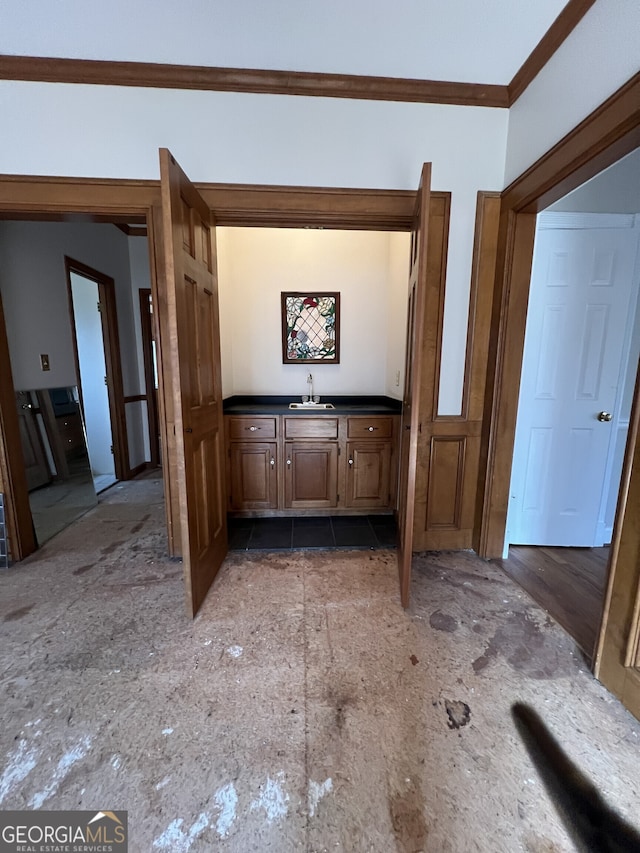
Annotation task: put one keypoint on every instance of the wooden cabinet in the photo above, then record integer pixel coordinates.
(311, 475)
(253, 463)
(280, 465)
(369, 451)
(368, 474)
(311, 462)
(253, 475)
(71, 433)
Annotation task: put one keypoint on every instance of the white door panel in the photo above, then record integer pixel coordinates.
(577, 337)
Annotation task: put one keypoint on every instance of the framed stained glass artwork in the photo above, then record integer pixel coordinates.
(310, 328)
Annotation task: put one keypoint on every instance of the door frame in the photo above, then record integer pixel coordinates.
(138, 202)
(604, 137)
(112, 357)
(146, 328)
(60, 200)
(574, 224)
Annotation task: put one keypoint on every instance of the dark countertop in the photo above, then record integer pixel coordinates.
(344, 405)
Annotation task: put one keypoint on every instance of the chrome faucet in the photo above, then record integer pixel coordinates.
(310, 384)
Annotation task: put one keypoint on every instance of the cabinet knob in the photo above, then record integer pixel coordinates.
(288, 462)
(273, 462)
(351, 462)
(371, 429)
(253, 428)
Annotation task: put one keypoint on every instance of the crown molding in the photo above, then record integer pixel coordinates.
(151, 75)
(160, 76)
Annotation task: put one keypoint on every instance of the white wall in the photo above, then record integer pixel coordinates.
(599, 56)
(34, 294)
(270, 139)
(257, 264)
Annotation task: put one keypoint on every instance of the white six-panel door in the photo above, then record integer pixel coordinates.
(579, 325)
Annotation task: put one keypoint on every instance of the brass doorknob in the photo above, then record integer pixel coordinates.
(605, 417)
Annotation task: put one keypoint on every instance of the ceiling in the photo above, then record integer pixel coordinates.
(472, 41)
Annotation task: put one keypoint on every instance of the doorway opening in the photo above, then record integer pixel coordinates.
(79, 393)
(370, 270)
(582, 344)
(90, 306)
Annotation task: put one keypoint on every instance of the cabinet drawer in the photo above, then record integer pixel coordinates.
(316, 427)
(246, 428)
(374, 427)
(70, 432)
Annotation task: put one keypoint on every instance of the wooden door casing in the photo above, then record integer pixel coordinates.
(192, 302)
(410, 421)
(112, 357)
(447, 508)
(149, 349)
(617, 654)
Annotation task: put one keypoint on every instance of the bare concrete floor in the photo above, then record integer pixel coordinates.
(302, 709)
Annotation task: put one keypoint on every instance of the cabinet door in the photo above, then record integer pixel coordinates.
(254, 478)
(311, 474)
(368, 474)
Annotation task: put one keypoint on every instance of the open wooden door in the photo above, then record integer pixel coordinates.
(617, 658)
(410, 426)
(194, 352)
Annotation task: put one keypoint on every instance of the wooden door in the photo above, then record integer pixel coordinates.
(192, 306)
(579, 322)
(410, 426)
(617, 657)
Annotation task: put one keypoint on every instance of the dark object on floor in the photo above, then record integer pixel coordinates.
(593, 826)
(459, 713)
(335, 531)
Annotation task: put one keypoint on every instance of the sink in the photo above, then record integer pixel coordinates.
(311, 405)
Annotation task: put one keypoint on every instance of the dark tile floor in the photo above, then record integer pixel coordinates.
(337, 531)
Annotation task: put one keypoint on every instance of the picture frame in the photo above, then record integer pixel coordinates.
(310, 327)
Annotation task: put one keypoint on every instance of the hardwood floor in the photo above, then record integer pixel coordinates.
(568, 582)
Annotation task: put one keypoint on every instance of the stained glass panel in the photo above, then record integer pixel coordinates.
(310, 327)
